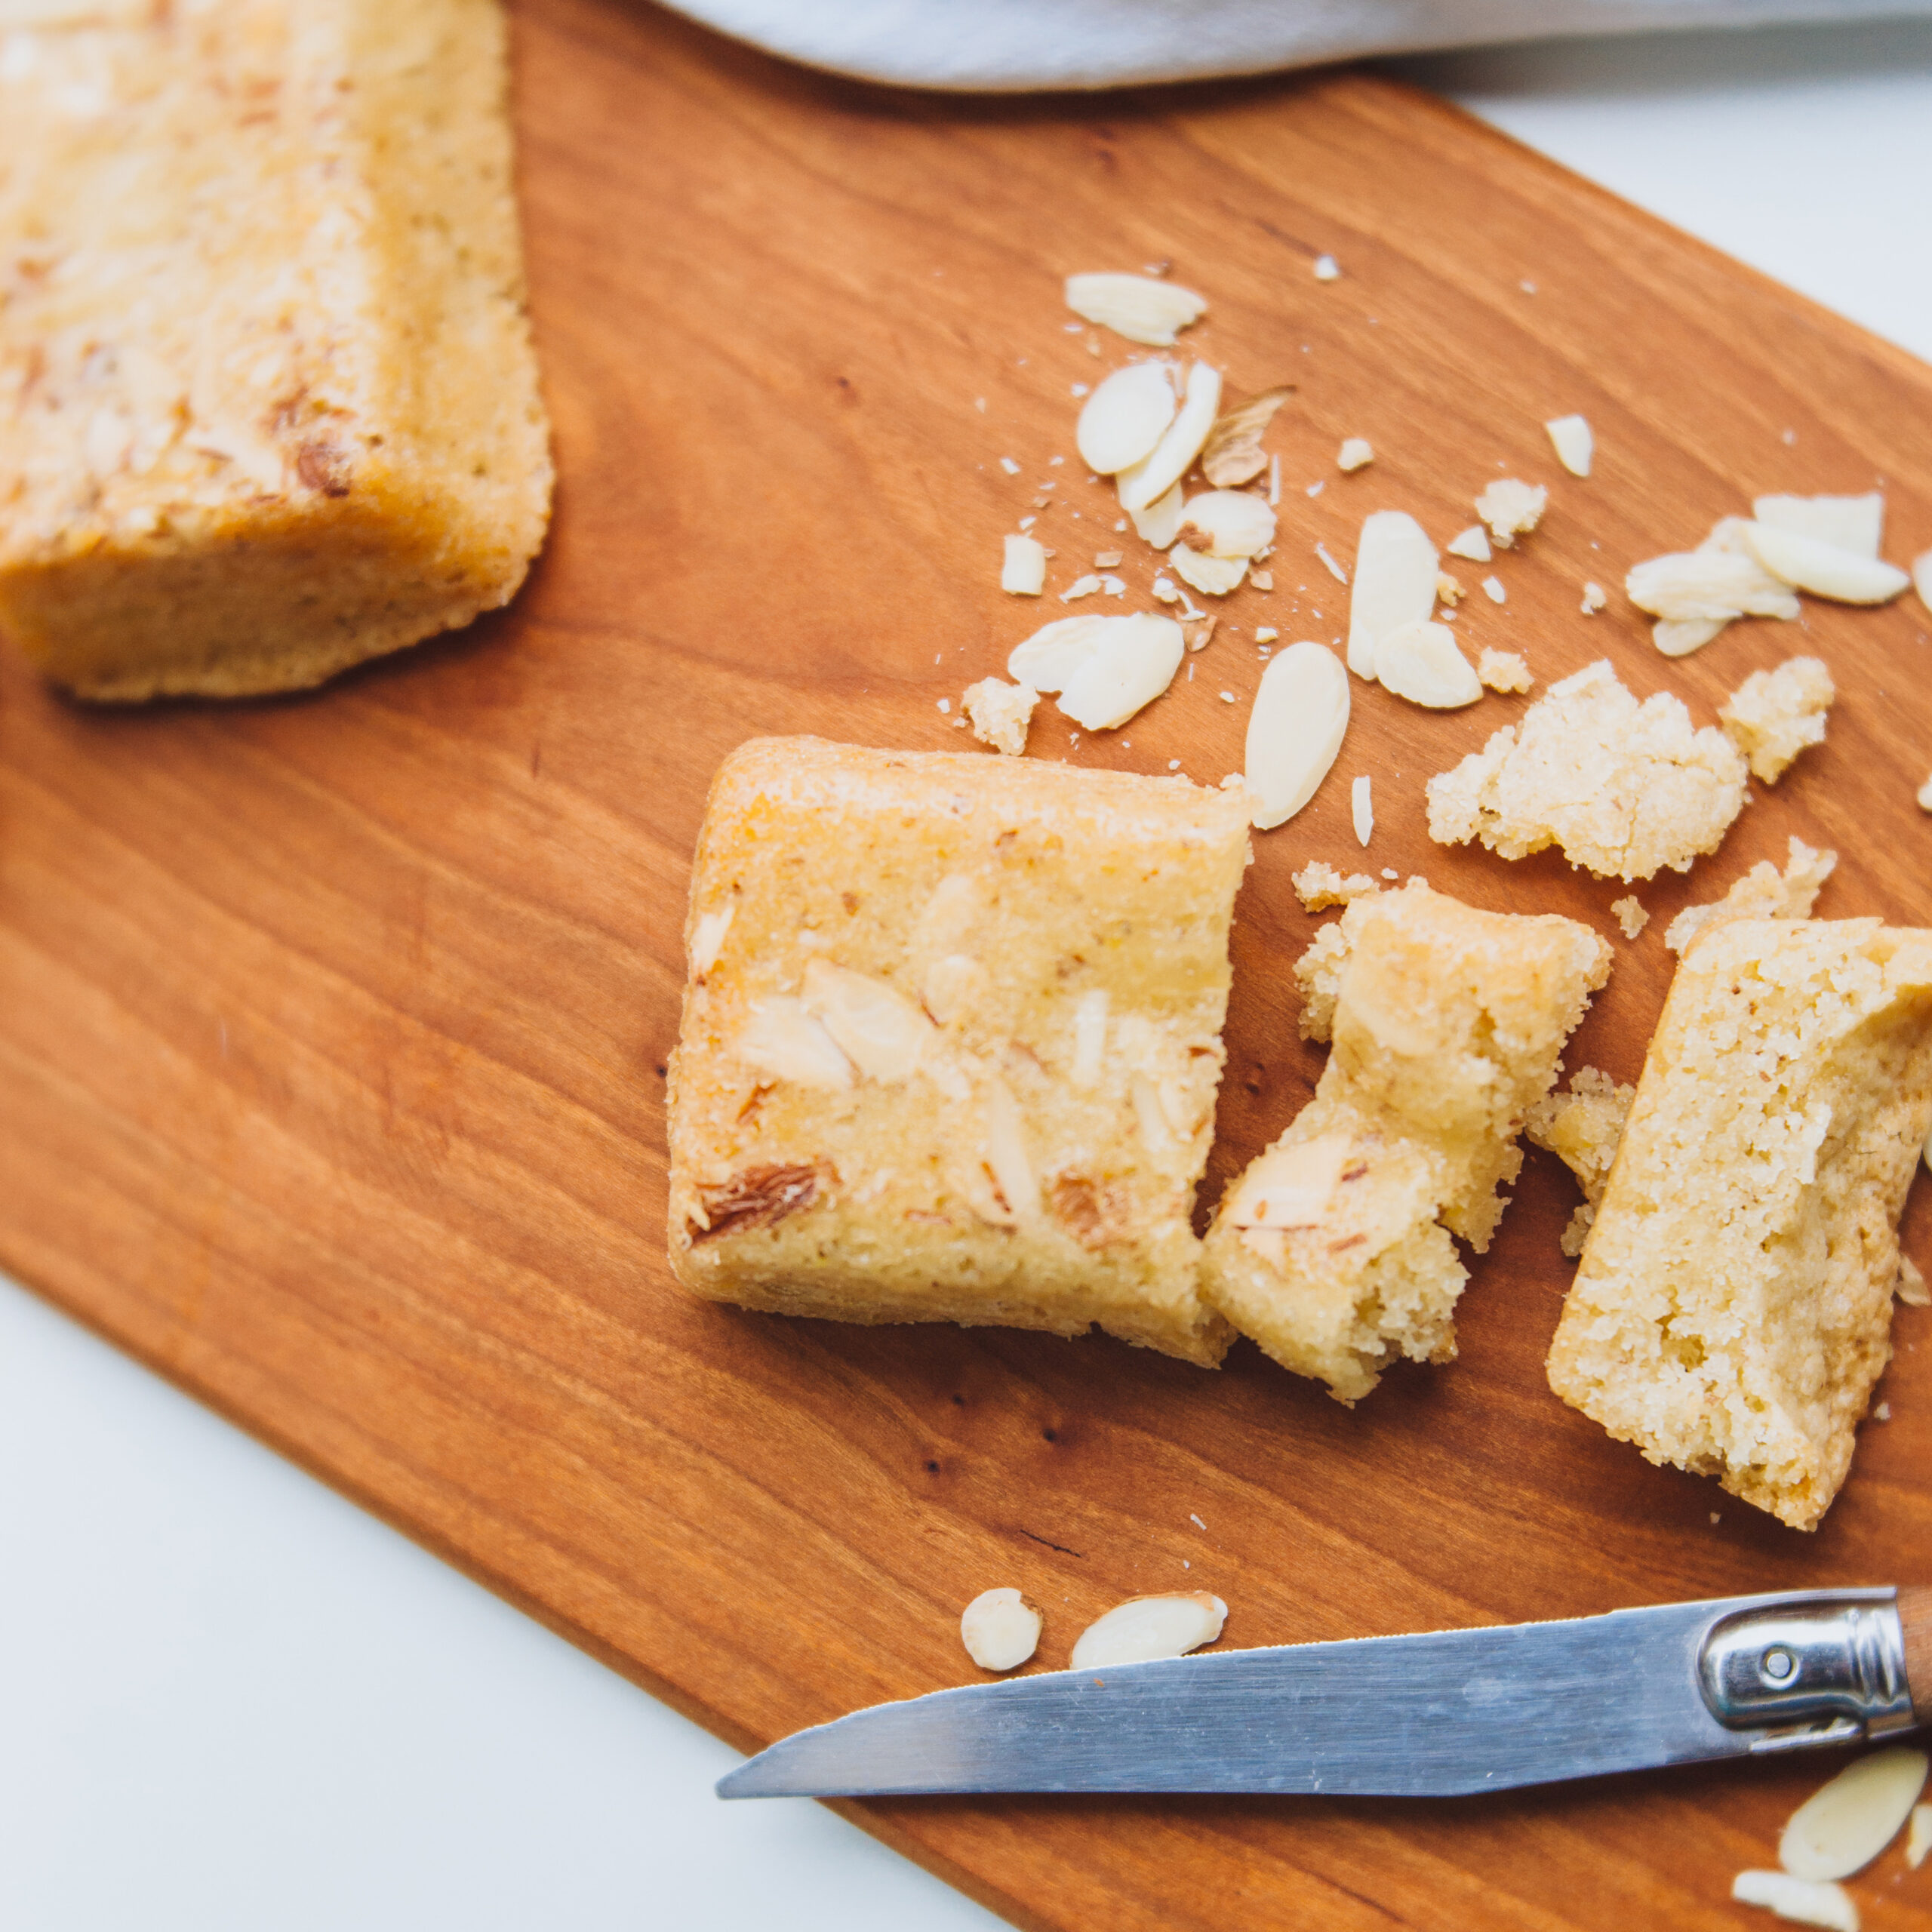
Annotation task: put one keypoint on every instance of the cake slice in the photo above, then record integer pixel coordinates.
(271, 405)
(951, 1041)
(1333, 1249)
(1732, 1310)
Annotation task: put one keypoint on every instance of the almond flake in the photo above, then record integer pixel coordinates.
(1235, 523)
(784, 1040)
(1354, 454)
(708, 936)
(1081, 586)
(1155, 475)
(1512, 508)
(1708, 583)
(1594, 598)
(1166, 591)
(1504, 671)
(1000, 1629)
(1630, 915)
(1105, 670)
(1420, 662)
(1824, 569)
(1327, 268)
(1200, 633)
(1007, 463)
(1232, 453)
(1773, 716)
(1106, 560)
(1574, 444)
(1911, 1289)
(1471, 543)
(1213, 576)
(1024, 572)
(1159, 524)
(953, 986)
(1126, 417)
(1265, 633)
(1800, 1901)
(1396, 584)
(1144, 1628)
(1136, 307)
(1329, 564)
(1857, 524)
(1295, 729)
(1090, 1038)
(1006, 1151)
(877, 1028)
(1362, 808)
(1492, 589)
(1925, 796)
(1262, 580)
(1678, 637)
(1918, 1839)
(1000, 713)
(1843, 1826)
(1921, 575)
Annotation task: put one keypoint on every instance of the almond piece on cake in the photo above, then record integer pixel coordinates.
(273, 405)
(1333, 1251)
(951, 1041)
(1732, 1310)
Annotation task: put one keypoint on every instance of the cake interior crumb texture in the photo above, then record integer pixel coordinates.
(951, 1041)
(273, 408)
(1582, 1126)
(1333, 1250)
(1623, 789)
(1732, 1310)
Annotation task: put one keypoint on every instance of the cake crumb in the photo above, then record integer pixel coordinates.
(1504, 671)
(1594, 598)
(1448, 589)
(1512, 508)
(1318, 885)
(1000, 713)
(1631, 914)
(1773, 716)
(1763, 893)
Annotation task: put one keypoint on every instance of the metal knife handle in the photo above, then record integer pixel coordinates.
(1822, 1670)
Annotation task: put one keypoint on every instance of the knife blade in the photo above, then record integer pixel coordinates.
(1437, 1714)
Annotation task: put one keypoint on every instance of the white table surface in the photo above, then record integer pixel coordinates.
(229, 1702)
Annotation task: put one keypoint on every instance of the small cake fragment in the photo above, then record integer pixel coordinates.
(1504, 671)
(1763, 893)
(1233, 454)
(1512, 508)
(1732, 1309)
(1023, 569)
(1844, 1825)
(1569, 436)
(1295, 729)
(1144, 1627)
(1356, 454)
(1798, 1901)
(1472, 544)
(1318, 885)
(955, 1054)
(1361, 808)
(1630, 914)
(1594, 598)
(1000, 713)
(1422, 663)
(1126, 415)
(1104, 669)
(1581, 1127)
(272, 408)
(1773, 716)
(1333, 1249)
(1136, 306)
(1000, 1629)
(1394, 583)
(1623, 789)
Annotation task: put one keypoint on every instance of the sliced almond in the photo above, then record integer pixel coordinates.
(1006, 1151)
(1921, 575)
(1512, 508)
(1356, 454)
(1857, 524)
(1693, 585)
(1024, 573)
(1925, 796)
(1122, 668)
(954, 984)
(1213, 576)
(1472, 543)
(1230, 523)
(1290, 1187)
(1800, 1901)
(1151, 477)
(1232, 453)
(783, 1039)
(877, 1027)
(1048, 658)
(1824, 569)
(1144, 1627)
(1841, 1827)
(1136, 307)
(1157, 1133)
(708, 936)
(1918, 1838)
(1327, 268)
(1000, 1629)
(1911, 1288)
(1420, 662)
(1570, 436)
(1159, 523)
(1090, 1038)
(1362, 807)
(1678, 637)
(1394, 584)
(1126, 415)
(1295, 731)
(1081, 586)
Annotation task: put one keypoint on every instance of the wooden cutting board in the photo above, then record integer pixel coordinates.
(332, 1030)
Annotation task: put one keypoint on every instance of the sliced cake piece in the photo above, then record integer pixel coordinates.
(951, 1041)
(271, 405)
(1732, 1309)
(1333, 1251)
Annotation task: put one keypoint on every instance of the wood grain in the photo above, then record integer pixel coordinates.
(331, 1029)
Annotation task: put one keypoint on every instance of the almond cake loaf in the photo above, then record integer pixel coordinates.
(951, 1041)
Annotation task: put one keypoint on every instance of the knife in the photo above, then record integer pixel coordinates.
(1435, 1715)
